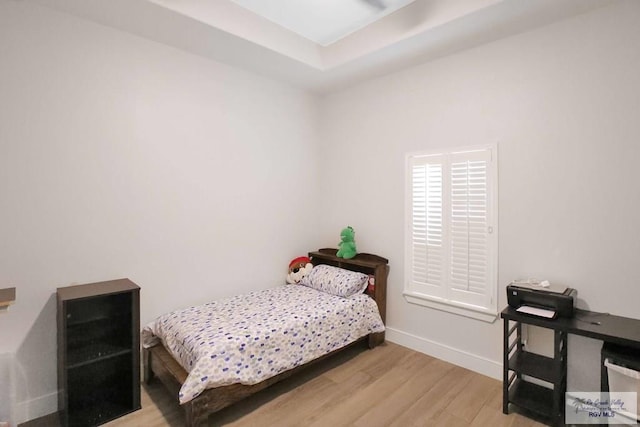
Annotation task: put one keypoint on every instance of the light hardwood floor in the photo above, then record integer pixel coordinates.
(387, 386)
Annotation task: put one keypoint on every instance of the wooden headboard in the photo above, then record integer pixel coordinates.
(364, 263)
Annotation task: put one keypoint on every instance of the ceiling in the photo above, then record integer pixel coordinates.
(291, 41)
(323, 21)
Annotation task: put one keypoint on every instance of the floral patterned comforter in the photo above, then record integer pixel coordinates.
(249, 338)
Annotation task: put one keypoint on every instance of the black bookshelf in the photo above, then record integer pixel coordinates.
(98, 352)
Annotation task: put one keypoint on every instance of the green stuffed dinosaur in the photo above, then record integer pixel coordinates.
(347, 245)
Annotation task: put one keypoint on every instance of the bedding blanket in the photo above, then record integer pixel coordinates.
(249, 338)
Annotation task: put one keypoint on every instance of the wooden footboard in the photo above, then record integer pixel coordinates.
(158, 363)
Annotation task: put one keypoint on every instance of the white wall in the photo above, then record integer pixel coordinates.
(125, 158)
(563, 104)
(121, 157)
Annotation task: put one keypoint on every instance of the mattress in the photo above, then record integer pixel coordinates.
(249, 338)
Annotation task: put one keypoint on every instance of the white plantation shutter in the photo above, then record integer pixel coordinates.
(451, 241)
(427, 228)
(469, 227)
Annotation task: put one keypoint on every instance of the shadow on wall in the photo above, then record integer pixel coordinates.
(7, 392)
(420, 12)
(35, 376)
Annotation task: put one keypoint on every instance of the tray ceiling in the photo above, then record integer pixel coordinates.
(375, 37)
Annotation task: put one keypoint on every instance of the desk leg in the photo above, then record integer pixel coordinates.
(505, 369)
(559, 389)
(604, 374)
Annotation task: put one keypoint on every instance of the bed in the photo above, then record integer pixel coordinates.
(199, 404)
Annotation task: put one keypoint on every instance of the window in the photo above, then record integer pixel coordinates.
(451, 231)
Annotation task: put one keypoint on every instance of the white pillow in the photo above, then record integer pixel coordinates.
(336, 281)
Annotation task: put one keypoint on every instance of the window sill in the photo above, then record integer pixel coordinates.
(473, 312)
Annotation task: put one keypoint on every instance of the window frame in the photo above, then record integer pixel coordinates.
(443, 301)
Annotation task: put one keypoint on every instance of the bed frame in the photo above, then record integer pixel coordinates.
(158, 363)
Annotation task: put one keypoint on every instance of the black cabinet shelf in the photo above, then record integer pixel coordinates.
(95, 353)
(535, 365)
(89, 309)
(100, 317)
(533, 397)
(98, 352)
(109, 411)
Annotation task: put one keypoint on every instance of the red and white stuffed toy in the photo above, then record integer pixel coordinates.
(298, 268)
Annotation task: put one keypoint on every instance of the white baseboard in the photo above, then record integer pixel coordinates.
(36, 408)
(470, 361)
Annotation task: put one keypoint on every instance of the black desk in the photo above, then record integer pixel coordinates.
(549, 403)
